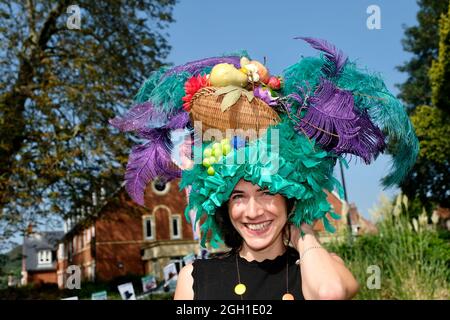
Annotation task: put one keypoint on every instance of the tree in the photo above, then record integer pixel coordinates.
(58, 88)
(422, 41)
(429, 180)
(440, 67)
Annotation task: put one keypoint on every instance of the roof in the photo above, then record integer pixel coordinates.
(37, 241)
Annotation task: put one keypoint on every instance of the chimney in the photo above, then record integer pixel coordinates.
(29, 229)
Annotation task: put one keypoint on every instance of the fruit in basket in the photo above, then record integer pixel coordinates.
(211, 171)
(274, 83)
(244, 61)
(262, 71)
(225, 74)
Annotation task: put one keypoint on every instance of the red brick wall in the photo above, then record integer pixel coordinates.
(115, 260)
(118, 225)
(119, 231)
(42, 277)
(83, 256)
(162, 224)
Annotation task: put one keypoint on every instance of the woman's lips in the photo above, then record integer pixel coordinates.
(258, 229)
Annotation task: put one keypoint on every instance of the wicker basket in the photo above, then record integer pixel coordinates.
(256, 115)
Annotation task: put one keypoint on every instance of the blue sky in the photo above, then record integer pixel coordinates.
(206, 28)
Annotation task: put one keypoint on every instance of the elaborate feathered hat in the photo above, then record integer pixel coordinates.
(282, 133)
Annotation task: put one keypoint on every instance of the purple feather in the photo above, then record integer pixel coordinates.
(368, 144)
(332, 121)
(178, 121)
(195, 67)
(336, 59)
(140, 116)
(148, 161)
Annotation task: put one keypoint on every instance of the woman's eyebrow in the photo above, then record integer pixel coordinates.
(241, 191)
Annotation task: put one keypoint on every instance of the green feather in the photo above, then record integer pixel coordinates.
(166, 97)
(149, 84)
(387, 112)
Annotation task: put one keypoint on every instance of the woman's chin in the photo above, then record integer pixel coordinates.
(257, 244)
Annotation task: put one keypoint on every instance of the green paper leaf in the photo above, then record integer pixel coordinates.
(230, 99)
(226, 89)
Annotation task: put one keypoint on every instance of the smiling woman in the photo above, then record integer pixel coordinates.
(254, 217)
(263, 185)
(261, 264)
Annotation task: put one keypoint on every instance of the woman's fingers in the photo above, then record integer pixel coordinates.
(307, 228)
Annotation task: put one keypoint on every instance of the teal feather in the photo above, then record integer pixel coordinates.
(334, 215)
(166, 97)
(387, 112)
(305, 73)
(149, 84)
(328, 226)
(237, 53)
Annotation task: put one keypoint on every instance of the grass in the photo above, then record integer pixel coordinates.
(412, 258)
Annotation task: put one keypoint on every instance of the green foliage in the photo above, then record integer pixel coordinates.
(422, 41)
(414, 261)
(440, 68)
(433, 130)
(426, 91)
(58, 89)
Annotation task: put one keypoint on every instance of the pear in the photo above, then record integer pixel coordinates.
(225, 74)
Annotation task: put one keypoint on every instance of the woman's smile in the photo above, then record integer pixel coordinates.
(258, 229)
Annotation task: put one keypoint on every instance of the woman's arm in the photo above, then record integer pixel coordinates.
(185, 281)
(324, 275)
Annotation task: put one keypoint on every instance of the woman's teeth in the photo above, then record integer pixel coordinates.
(259, 226)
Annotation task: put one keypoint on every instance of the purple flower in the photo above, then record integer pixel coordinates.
(265, 96)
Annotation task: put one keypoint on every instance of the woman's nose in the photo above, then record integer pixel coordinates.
(254, 209)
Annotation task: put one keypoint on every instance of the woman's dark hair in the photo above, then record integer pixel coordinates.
(229, 234)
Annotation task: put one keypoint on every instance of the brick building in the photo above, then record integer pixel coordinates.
(39, 261)
(126, 239)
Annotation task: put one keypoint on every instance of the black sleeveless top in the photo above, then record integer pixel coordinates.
(215, 279)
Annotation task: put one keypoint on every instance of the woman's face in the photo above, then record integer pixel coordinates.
(257, 215)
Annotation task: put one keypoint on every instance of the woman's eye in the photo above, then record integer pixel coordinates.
(236, 196)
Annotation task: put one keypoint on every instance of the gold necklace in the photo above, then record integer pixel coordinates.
(240, 288)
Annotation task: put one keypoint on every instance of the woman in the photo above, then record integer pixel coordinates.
(319, 110)
(260, 220)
